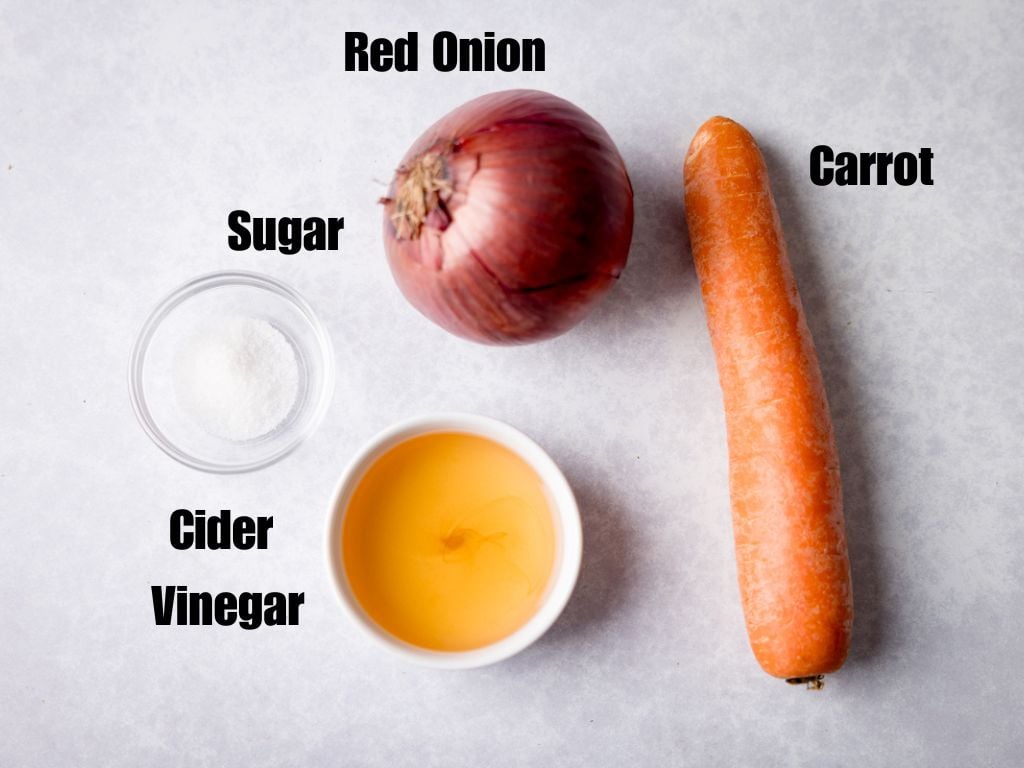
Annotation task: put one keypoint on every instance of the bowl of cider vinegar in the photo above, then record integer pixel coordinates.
(454, 540)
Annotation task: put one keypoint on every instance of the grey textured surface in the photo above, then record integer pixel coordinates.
(128, 132)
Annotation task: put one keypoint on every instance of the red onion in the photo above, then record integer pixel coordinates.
(509, 218)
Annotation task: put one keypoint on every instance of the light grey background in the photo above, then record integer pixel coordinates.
(129, 131)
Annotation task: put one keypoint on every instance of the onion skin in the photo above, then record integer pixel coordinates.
(528, 225)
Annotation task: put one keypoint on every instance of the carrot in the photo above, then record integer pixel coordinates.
(792, 562)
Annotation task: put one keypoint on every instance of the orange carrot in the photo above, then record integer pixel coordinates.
(793, 567)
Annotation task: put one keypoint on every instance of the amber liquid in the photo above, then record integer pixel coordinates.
(449, 541)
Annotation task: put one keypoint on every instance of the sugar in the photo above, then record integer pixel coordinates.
(237, 377)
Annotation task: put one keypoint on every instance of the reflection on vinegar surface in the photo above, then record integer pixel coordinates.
(449, 541)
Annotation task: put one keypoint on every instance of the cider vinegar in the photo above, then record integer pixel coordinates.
(449, 541)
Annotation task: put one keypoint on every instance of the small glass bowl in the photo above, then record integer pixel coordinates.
(177, 318)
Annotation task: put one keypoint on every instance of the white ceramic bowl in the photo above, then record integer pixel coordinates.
(569, 537)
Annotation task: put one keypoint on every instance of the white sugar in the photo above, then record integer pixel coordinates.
(237, 377)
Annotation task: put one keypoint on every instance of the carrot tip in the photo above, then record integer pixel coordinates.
(813, 682)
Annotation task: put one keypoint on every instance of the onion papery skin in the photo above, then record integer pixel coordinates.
(531, 229)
